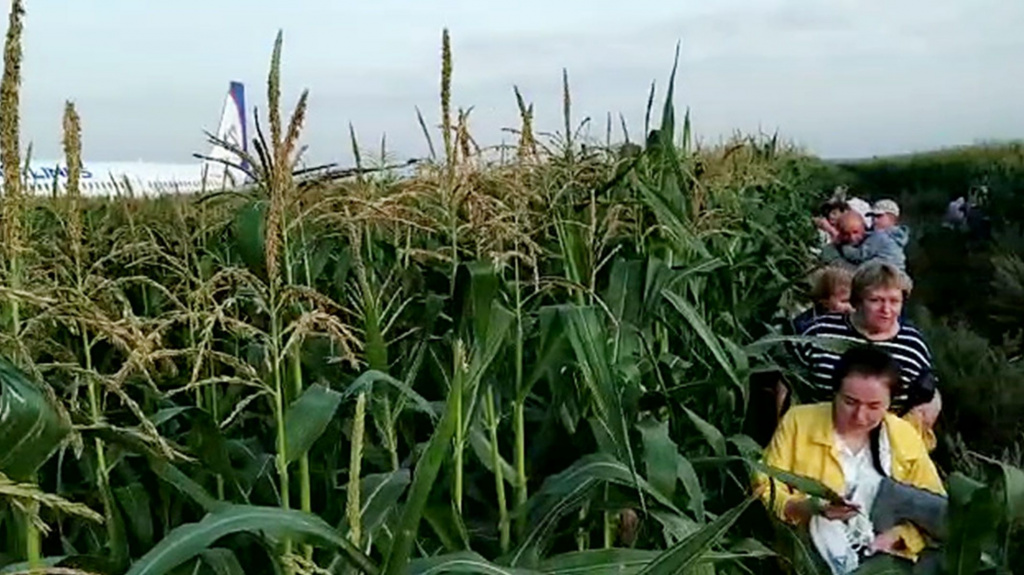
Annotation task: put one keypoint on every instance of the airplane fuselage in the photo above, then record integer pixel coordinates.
(120, 178)
(43, 177)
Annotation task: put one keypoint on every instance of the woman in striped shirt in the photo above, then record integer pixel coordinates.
(877, 294)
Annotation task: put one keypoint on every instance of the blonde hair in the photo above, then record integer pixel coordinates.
(876, 275)
(827, 281)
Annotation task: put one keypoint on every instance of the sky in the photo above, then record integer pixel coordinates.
(844, 78)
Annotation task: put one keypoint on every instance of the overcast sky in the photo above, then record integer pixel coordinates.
(844, 77)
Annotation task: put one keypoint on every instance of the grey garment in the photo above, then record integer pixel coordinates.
(877, 246)
(832, 256)
(899, 234)
(929, 563)
(796, 542)
(956, 213)
(898, 502)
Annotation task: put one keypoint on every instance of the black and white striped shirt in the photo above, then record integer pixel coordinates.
(908, 348)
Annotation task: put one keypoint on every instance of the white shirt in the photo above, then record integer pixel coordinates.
(862, 481)
(841, 542)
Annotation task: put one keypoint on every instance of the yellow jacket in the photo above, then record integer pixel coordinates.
(804, 444)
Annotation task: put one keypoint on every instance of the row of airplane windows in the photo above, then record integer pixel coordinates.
(110, 186)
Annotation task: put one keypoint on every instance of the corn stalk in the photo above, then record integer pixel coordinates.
(13, 210)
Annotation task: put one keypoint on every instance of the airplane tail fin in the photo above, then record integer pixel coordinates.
(232, 129)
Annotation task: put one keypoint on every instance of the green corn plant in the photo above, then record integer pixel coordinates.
(523, 359)
(10, 153)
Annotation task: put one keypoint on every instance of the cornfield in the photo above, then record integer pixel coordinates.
(525, 360)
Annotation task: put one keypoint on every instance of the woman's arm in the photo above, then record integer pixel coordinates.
(827, 227)
(778, 497)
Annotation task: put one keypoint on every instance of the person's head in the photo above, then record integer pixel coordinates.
(852, 228)
(832, 209)
(830, 289)
(864, 381)
(877, 293)
(886, 214)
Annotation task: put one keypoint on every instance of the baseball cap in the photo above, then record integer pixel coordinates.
(885, 207)
(860, 206)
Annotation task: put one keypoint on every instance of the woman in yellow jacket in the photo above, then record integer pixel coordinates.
(854, 445)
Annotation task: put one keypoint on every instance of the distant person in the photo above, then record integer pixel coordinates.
(977, 220)
(956, 214)
(856, 246)
(828, 219)
(886, 214)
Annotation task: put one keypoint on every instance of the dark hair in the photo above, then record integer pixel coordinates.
(826, 208)
(869, 361)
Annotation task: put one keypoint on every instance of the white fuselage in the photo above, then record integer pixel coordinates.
(124, 178)
(44, 177)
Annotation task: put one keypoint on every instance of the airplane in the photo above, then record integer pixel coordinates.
(152, 179)
(147, 179)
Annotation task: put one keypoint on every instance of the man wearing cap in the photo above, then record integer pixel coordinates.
(886, 214)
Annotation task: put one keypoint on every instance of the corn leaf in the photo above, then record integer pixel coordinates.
(31, 428)
(222, 561)
(425, 475)
(1008, 489)
(462, 562)
(704, 332)
(135, 504)
(371, 379)
(803, 484)
(710, 433)
(599, 562)
(307, 419)
(690, 550)
(185, 484)
(972, 508)
(588, 338)
(660, 454)
(379, 496)
(189, 540)
(566, 491)
(621, 561)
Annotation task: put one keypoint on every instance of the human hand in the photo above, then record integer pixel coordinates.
(827, 227)
(886, 542)
(841, 512)
(803, 510)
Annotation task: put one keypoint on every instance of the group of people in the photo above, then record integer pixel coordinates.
(854, 232)
(865, 423)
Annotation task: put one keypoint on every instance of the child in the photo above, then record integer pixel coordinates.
(886, 214)
(830, 293)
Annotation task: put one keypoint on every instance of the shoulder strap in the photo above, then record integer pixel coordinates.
(875, 438)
